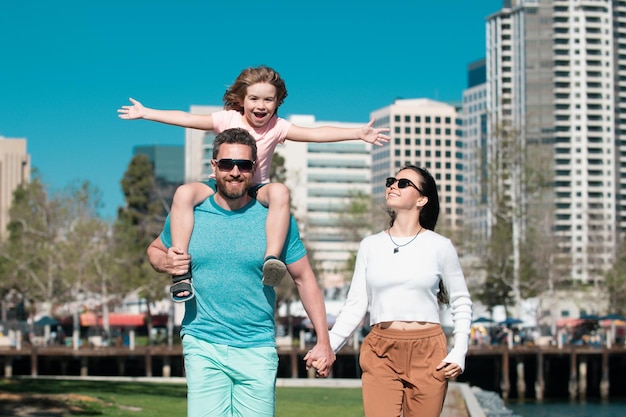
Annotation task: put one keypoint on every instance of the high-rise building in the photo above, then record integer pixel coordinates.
(425, 133)
(324, 178)
(554, 83)
(14, 171)
(168, 161)
(476, 213)
(199, 148)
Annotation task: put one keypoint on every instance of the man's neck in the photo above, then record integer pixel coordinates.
(231, 203)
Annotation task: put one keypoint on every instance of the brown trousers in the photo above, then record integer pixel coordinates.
(399, 372)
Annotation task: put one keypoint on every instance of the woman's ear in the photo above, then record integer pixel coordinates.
(421, 201)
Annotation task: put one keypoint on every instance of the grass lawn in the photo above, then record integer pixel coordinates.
(139, 399)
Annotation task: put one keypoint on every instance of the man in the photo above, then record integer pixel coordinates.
(228, 330)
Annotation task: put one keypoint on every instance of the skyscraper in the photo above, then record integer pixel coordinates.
(167, 160)
(324, 178)
(477, 217)
(554, 84)
(424, 133)
(199, 148)
(14, 171)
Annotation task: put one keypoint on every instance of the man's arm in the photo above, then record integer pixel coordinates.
(313, 303)
(172, 260)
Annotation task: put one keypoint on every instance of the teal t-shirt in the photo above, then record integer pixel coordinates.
(231, 305)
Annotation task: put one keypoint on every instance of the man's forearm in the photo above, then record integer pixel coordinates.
(156, 257)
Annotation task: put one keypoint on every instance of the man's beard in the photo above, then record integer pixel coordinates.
(222, 186)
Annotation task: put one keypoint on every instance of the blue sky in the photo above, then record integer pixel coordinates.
(66, 66)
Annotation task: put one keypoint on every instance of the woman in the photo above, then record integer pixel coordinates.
(403, 274)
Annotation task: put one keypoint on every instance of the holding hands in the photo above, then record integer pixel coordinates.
(320, 360)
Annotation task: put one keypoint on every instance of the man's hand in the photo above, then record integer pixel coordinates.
(175, 262)
(321, 358)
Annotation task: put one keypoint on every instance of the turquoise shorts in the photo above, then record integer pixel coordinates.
(224, 381)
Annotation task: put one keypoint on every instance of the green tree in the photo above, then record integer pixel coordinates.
(361, 217)
(519, 244)
(137, 225)
(278, 172)
(615, 282)
(31, 264)
(53, 242)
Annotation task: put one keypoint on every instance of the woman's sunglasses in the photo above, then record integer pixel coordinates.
(402, 183)
(244, 165)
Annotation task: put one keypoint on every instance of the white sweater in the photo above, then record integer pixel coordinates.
(403, 286)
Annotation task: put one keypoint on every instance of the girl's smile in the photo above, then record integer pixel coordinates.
(259, 104)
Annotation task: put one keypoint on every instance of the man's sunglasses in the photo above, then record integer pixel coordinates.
(244, 165)
(402, 183)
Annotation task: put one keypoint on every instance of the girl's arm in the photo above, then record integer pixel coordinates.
(170, 117)
(366, 133)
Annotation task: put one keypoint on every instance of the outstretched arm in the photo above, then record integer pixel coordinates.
(313, 303)
(367, 133)
(170, 117)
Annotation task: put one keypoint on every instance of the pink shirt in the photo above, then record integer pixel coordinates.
(267, 137)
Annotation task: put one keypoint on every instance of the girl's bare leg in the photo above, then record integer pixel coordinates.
(186, 197)
(275, 196)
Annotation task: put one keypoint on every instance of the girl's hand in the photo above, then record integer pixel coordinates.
(136, 111)
(374, 135)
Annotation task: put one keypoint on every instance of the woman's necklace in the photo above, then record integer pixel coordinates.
(397, 248)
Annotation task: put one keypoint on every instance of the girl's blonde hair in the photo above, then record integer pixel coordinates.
(234, 96)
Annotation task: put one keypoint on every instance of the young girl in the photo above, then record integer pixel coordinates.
(251, 103)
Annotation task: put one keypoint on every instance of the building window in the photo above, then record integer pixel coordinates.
(418, 119)
(407, 119)
(397, 118)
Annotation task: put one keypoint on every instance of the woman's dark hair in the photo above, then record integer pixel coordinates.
(429, 214)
